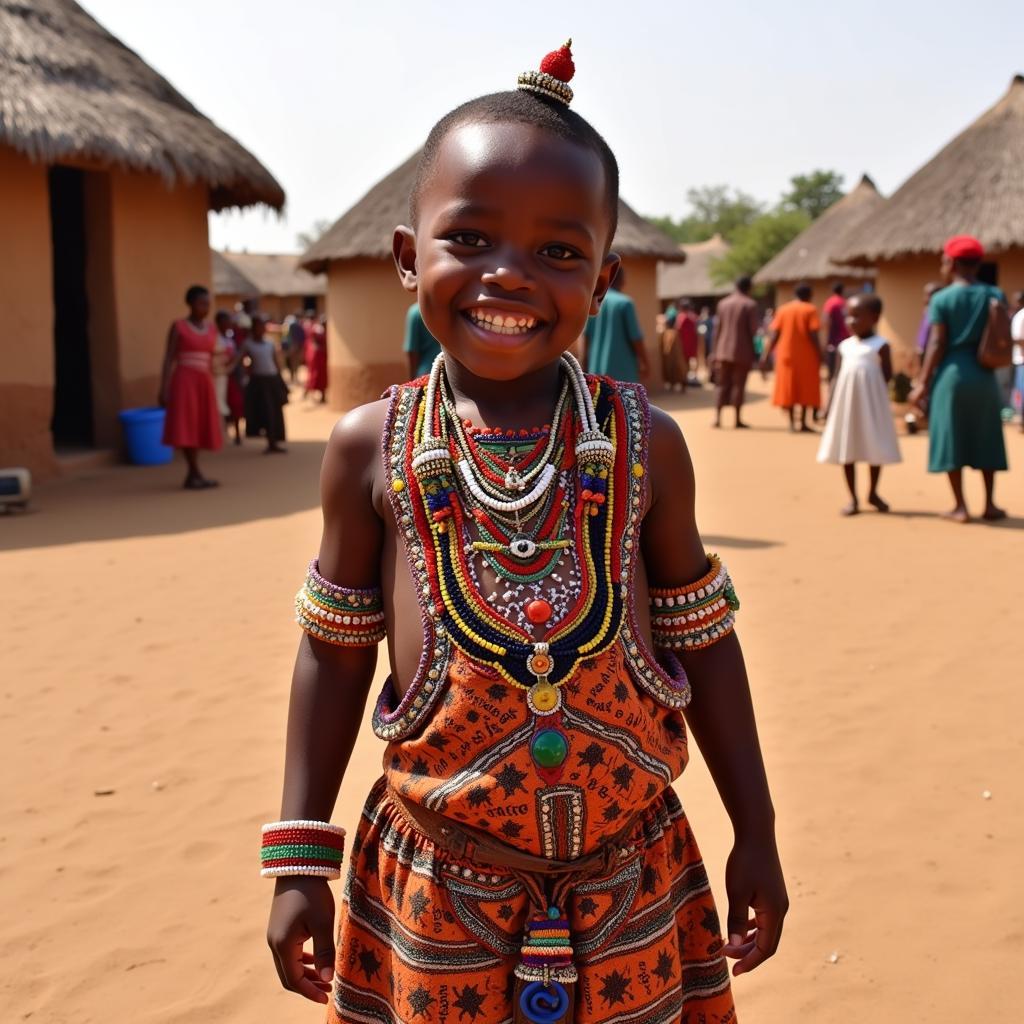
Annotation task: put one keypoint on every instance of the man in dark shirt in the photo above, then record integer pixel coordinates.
(734, 348)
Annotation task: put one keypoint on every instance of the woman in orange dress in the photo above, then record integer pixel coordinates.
(187, 390)
(794, 343)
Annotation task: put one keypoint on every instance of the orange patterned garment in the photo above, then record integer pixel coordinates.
(425, 936)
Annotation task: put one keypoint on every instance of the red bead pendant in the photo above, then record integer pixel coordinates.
(538, 611)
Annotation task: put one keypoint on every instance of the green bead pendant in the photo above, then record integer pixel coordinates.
(549, 748)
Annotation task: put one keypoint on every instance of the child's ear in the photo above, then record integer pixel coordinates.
(609, 269)
(403, 248)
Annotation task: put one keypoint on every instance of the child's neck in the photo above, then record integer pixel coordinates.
(507, 404)
(865, 336)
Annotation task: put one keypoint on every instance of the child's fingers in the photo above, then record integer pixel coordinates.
(769, 932)
(741, 943)
(293, 975)
(323, 951)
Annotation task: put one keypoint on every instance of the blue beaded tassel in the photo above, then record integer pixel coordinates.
(546, 976)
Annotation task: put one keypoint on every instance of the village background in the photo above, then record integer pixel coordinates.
(147, 631)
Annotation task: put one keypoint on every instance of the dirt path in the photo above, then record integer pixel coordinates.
(148, 647)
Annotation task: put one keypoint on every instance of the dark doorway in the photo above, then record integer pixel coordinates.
(72, 423)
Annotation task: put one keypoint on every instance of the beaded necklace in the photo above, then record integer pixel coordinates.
(451, 486)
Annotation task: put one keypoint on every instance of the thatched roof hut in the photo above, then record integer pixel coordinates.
(366, 306)
(228, 279)
(107, 176)
(275, 279)
(364, 232)
(69, 89)
(974, 184)
(693, 279)
(809, 256)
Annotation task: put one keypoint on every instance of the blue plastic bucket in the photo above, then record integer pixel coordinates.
(143, 435)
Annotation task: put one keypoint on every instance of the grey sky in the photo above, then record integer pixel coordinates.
(333, 95)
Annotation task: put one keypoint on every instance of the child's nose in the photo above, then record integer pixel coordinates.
(508, 277)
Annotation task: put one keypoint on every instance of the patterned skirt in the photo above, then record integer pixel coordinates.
(426, 938)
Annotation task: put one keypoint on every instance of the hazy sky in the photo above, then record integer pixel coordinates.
(332, 95)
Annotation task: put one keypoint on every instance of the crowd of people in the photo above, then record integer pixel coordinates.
(960, 392)
(218, 374)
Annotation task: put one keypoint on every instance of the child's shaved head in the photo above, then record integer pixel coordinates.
(520, 107)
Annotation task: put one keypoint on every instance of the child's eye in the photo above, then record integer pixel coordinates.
(560, 252)
(470, 238)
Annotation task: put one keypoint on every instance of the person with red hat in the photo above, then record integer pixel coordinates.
(964, 408)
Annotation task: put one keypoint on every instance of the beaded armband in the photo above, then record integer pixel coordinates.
(695, 616)
(302, 848)
(339, 615)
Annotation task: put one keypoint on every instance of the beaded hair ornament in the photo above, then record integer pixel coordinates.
(552, 80)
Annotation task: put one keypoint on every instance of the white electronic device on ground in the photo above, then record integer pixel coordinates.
(15, 488)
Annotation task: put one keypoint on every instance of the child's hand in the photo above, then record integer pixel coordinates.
(303, 909)
(753, 880)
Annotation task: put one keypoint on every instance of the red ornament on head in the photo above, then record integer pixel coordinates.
(558, 63)
(551, 81)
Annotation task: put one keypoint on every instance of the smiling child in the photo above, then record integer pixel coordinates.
(523, 536)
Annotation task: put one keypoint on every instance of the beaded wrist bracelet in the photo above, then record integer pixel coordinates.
(339, 615)
(302, 848)
(695, 616)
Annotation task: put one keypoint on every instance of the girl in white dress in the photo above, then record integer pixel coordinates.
(860, 426)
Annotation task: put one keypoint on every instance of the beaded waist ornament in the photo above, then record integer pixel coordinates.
(695, 616)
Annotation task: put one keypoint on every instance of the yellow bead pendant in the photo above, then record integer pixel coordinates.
(543, 698)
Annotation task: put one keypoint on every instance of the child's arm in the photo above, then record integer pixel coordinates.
(721, 714)
(885, 356)
(329, 690)
(832, 383)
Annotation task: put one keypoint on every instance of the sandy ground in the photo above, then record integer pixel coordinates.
(147, 653)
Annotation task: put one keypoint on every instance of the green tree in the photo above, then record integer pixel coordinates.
(714, 210)
(813, 193)
(756, 243)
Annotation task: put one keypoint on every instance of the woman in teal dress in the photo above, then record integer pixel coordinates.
(965, 425)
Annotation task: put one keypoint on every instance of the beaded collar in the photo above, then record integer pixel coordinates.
(474, 626)
(626, 406)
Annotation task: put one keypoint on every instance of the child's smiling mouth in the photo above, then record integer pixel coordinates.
(494, 321)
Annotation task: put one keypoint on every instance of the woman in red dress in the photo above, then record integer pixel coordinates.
(186, 387)
(316, 358)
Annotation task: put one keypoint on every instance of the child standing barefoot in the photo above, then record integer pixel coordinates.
(524, 537)
(860, 427)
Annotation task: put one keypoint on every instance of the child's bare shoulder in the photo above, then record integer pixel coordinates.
(669, 464)
(672, 547)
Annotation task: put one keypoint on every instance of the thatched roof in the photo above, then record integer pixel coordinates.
(975, 185)
(228, 279)
(274, 273)
(70, 90)
(693, 278)
(365, 231)
(809, 256)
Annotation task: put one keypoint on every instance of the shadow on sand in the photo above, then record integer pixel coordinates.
(717, 540)
(695, 398)
(115, 502)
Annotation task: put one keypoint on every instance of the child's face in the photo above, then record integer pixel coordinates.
(512, 225)
(860, 319)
